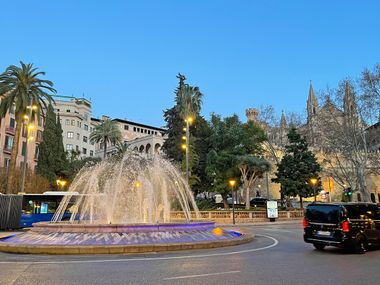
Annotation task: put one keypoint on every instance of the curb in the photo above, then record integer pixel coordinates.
(120, 249)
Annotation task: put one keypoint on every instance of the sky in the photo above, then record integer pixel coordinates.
(124, 55)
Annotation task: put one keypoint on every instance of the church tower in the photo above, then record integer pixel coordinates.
(349, 105)
(312, 111)
(312, 104)
(283, 129)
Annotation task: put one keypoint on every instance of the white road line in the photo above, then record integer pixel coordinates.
(201, 275)
(275, 242)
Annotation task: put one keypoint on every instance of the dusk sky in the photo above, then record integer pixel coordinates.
(125, 55)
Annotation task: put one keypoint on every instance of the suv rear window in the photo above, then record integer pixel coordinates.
(323, 213)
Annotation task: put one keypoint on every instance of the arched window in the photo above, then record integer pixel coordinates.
(373, 198)
(359, 197)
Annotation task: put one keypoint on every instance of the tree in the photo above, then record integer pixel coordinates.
(21, 87)
(251, 168)
(370, 95)
(188, 101)
(106, 132)
(52, 161)
(346, 149)
(229, 140)
(297, 167)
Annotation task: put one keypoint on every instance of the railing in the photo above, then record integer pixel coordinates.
(7, 149)
(10, 130)
(240, 216)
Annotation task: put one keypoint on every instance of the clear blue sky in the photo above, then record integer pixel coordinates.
(125, 55)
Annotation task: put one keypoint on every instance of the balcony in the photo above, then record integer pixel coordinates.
(7, 149)
(10, 130)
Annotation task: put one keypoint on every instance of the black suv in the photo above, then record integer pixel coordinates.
(259, 202)
(348, 225)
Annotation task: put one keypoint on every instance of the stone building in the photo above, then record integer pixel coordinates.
(314, 132)
(7, 134)
(75, 115)
(138, 137)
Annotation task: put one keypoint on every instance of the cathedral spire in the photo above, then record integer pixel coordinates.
(283, 121)
(312, 103)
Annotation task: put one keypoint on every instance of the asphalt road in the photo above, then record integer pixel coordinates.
(277, 256)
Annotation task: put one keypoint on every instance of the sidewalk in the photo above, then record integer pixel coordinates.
(295, 221)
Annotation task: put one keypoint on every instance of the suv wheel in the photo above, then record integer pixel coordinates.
(319, 246)
(360, 245)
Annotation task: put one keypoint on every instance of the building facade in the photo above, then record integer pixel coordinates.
(138, 137)
(75, 116)
(7, 134)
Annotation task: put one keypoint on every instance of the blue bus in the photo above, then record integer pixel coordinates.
(41, 207)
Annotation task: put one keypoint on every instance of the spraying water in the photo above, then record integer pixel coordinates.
(133, 189)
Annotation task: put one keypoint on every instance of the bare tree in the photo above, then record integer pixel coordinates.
(370, 95)
(342, 138)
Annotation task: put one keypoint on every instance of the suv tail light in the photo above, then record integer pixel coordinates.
(345, 227)
(304, 222)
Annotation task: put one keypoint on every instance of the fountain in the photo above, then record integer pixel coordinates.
(124, 206)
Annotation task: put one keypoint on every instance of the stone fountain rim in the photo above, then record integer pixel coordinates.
(65, 227)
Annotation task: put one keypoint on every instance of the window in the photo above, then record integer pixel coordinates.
(12, 123)
(126, 127)
(78, 136)
(73, 122)
(145, 131)
(148, 132)
(39, 135)
(134, 129)
(91, 153)
(36, 152)
(138, 130)
(84, 151)
(7, 161)
(67, 122)
(91, 129)
(24, 132)
(155, 133)
(79, 124)
(57, 110)
(70, 135)
(77, 148)
(23, 150)
(68, 111)
(69, 147)
(85, 127)
(84, 139)
(40, 121)
(8, 142)
(85, 116)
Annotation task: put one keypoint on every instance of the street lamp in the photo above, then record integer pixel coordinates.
(189, 120)
(29, 128)
(313, 182)
(61, 183)
(232, 183)
(137, 184)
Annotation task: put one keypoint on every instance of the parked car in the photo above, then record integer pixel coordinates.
(349, 225)
(258, 202)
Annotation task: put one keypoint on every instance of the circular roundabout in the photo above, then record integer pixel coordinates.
(64, 238)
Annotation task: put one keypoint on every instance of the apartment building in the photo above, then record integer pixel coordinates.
(139, 137)
(75, 117)
(7, 134)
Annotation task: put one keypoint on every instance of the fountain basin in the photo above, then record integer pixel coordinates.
(65, 238)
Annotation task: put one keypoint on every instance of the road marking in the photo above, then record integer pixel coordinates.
(201, 275)
(275, 242)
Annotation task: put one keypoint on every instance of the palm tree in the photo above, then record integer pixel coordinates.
(21, 87)
(188, 99)
(106, 132)
(121, 150)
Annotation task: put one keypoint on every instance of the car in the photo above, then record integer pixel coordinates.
(353, 226)
(258, 202)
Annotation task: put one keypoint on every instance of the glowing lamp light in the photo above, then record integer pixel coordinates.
(232, 182)
(189, 120)
(31, 138)
(137, 184)
(217, 231)
(183, 146)
(26, 117)
(314, 181)
(184, 138)
(184, 129)
(31, 127)
(34, 107)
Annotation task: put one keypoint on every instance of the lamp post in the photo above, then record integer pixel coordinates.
(232, 183)
(189, 120)
(27, 124)
(61, 183)
(314, 184)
